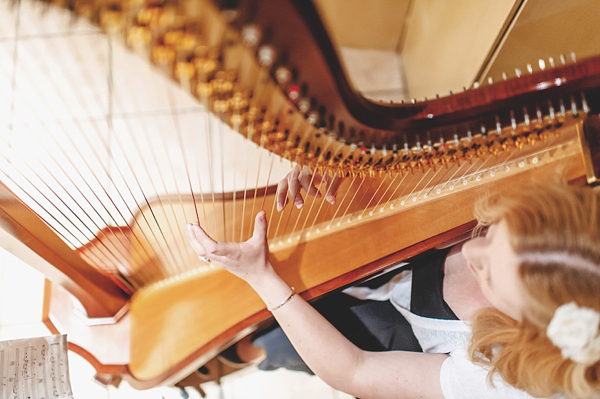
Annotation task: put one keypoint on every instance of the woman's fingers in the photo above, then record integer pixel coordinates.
(244, 259)
(202, 244)
(259, 235)
(303, 178)
(308, 181)
(294, 186)
(282, 190)
(333, 184)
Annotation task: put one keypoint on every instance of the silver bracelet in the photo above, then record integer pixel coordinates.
(284, 302)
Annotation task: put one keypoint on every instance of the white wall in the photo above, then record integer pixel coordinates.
(21, 291)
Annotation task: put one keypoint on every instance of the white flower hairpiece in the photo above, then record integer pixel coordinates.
(574, 330)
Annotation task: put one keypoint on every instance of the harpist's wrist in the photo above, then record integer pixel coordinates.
(272, 289)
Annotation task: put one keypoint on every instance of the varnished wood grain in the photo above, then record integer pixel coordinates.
(169, 320)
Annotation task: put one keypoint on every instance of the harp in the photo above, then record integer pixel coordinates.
(102, 198)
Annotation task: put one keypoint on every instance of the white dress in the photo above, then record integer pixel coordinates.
(459, 377)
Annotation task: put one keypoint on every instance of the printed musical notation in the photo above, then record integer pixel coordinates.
(35, 368)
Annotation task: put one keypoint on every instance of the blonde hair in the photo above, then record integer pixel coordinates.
(562, 221)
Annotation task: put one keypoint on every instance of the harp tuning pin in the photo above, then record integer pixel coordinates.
(526, 116)
(464, 88)
(551, 110)
(184, 70)
(313, 117)
(573, 57)
(419, 148)
(304, 105)
(111, 18)
(406, 149)
(437, 96)
(205, 67)
(469, 135)
(584, 104)
(475, 85)
(204, 90)
(149, 16)
(283, 76)
(373, 150)
(266, 55)
(483, 130)
(384, 150)
(229, 15)
(513, 121)
(563, 111)
(414, 100)
(504, 76)
(450, 92)
(542, 64)
(251, 35)
(518, 72)
(573, 107)
(551, 62)
(490, 80)
(239, 102)
(456, 141)
(163, 55)
(529, 68)
(293, 92)
(498, 125)
(562, 59)
(395, 149)
(173, 37)
(424, 99)
(138, 36)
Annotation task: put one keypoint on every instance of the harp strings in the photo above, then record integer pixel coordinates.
(140, 247)
(108, 174)
(106, 252)
(66, 134)
(171, 262)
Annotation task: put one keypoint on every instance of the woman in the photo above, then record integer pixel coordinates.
(526, 295)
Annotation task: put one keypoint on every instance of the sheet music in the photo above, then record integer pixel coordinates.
(35, 368)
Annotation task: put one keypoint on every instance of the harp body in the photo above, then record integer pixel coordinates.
(108, 221)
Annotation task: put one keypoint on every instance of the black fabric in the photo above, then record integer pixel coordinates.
(370, 325)
(427, 289)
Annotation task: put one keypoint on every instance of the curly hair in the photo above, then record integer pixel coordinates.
(553, 228)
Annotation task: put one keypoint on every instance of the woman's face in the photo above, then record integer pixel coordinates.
(494, 265)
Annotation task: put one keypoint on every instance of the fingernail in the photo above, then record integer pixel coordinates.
(332, 201)
(298, 204)
(279, 207)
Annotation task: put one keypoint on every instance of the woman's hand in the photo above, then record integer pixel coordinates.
(303, 178)
(248, 260)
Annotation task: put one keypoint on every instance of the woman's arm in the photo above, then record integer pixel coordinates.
(325, 350)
